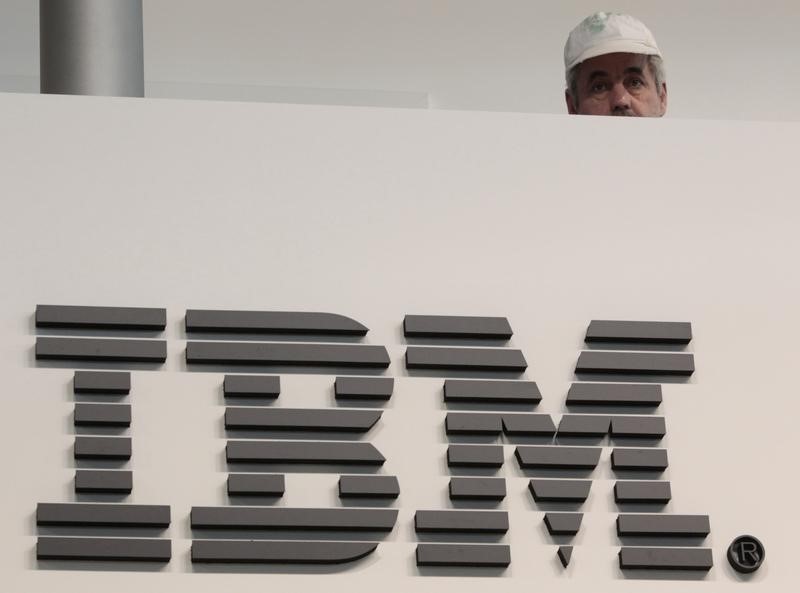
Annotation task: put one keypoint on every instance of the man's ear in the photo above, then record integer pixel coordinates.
(572, 108)
(663, 98)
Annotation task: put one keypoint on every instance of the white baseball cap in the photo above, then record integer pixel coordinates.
(607, 33)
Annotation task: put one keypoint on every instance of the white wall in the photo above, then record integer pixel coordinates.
(376, 213)
(728, 59)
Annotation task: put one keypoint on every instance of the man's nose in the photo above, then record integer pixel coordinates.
(620, 98)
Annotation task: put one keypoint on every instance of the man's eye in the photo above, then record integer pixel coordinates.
(636, 83)
(598, 87)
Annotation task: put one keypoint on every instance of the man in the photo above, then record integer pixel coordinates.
(614, 67)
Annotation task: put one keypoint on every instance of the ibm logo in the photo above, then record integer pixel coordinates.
(615, 404)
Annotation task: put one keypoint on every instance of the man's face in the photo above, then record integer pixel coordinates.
(617, 84)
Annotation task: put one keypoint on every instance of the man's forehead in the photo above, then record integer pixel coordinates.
(614, 63)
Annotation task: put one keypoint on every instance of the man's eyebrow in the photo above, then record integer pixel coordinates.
(604, 74)
(598, 74)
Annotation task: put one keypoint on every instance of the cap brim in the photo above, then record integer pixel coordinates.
(613, 47)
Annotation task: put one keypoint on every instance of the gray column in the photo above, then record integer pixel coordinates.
(91, 47)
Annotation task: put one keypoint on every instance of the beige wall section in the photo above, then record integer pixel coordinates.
(376, 213)
(727, 59)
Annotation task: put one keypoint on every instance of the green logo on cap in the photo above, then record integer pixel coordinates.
(597, 22)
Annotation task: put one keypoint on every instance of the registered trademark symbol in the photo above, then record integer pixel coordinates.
(746, 554)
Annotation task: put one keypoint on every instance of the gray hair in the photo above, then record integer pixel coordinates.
(656, 64)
